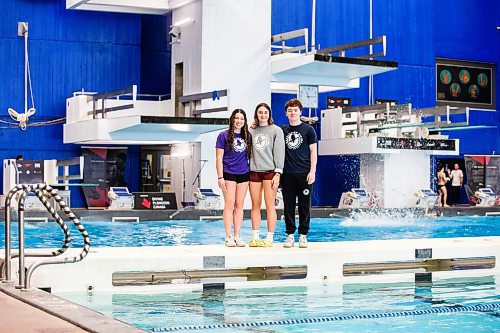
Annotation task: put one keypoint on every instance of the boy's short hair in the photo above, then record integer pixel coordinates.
(294, 102)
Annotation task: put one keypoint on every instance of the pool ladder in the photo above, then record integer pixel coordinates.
(42, 191)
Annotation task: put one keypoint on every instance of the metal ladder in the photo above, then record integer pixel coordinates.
(42, 191)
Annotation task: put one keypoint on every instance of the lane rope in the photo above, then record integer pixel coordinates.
(442, 309)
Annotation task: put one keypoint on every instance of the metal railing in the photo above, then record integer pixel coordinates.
(341, 49)
(125, 94)
(193, 102)
(283, 37)
(42, 191)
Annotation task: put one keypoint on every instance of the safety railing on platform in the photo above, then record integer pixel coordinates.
(283, 37)
(42, 191)
(193, 102)
(98, 100)
(341, 49)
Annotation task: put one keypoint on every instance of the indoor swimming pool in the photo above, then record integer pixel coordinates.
(193, 232)
(457, 305)
(468, 301)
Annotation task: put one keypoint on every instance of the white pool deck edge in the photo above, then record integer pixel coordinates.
(324, 261)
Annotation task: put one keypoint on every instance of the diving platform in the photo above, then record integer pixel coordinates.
(125, 117)
(329, 72)
(329, 68)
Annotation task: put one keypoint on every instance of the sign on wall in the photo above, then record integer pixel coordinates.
(465, 83)
(30, 172)
(105, 167)
(415, 144)
(154, 201)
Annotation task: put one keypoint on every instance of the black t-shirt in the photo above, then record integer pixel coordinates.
(297, 152)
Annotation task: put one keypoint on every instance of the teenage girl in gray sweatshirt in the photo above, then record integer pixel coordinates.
(266, 167)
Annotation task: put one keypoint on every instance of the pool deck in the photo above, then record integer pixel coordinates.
(36, 311)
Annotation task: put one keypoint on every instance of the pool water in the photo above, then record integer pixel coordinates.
(161, 233)
(243, 307)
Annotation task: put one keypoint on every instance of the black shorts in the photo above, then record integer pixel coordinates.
(237, 178)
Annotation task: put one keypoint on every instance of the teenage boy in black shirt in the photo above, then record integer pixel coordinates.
(299, 172)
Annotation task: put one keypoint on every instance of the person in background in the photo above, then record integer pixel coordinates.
(19, 158)
(299, 172)
(457, 180)
(442, 179)
(233, 150)
(266, 166)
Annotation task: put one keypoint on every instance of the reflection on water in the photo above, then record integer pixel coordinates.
(312, 301)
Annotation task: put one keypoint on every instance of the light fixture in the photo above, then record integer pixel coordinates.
(183, 22)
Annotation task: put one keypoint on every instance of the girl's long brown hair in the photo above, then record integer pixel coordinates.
(244, 132)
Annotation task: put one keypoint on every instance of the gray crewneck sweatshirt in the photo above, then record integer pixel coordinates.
(268, 149)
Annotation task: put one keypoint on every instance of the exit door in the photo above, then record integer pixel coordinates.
(156, 171)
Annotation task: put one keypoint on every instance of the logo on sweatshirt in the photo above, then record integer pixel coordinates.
(239, 145)
(293, 140)
(261, 141)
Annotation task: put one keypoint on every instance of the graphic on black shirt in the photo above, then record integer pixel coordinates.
(293, 140)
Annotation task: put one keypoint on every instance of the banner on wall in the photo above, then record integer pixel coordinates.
(30, 172)
(482, 171)
(465, 83)
(104, 167)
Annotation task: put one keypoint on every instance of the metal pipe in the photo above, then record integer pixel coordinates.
(25, 68)
(313, 27)
(22, 270)
(7, 259)
(370, 79)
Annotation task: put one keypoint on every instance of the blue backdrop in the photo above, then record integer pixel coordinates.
(96, 51)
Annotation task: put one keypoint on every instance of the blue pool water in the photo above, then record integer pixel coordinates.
(356, 228)
(300, 304)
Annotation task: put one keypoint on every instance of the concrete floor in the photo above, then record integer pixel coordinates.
(36, 311)
(17, 316)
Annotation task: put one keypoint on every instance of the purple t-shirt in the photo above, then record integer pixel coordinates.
(235, 159)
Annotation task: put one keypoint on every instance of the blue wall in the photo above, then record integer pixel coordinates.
(97, 51)
(417, 33)
(68, 50)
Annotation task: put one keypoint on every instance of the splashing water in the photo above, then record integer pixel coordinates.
(385, 218)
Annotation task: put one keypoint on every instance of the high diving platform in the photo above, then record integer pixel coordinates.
(125, 117)
(329, 68)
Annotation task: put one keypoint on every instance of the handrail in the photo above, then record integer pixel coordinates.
(113, 93)
(341, 49)
(194, 99)
(291, 35)
(25, 276)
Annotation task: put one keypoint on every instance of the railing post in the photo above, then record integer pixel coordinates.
(22, 269)
(7, 259)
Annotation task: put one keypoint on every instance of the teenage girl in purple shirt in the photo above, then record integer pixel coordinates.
(233, 149)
